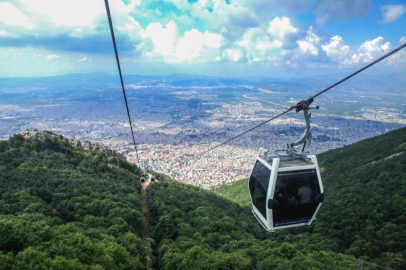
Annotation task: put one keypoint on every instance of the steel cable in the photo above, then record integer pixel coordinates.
(308, 101)
(106, 2)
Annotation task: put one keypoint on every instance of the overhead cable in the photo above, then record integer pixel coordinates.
(358, 71)
(245, 132)
(106, 2)
(299, 105)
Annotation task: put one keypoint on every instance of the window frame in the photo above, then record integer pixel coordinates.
(294, 177)
(275, 166)
(264, 218)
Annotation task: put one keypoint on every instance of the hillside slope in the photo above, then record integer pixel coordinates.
(236, 191)
(364, 213)
(64, 208)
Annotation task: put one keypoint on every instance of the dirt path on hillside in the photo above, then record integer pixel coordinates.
(144, 234)
(144, 187)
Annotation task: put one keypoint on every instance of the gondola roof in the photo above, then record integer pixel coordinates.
(286, 163)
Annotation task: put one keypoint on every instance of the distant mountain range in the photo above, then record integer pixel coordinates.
(369, 83)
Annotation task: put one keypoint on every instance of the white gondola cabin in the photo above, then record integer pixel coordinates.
(285, 193)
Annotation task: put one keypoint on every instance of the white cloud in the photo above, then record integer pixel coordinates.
(195, 44)
(392, 12)
(336, 49)
(233, 54)
(309, 43)
(217, 15)
(212, 40)
(189, 46)
(77, 12)
(12, 16)
(52, 57)
(280, 27)
(164, 39)
(371, 50)
(65, 13)
(402, 40)
(367, 52)
(173, 48)
(307, 48)
(257, 45)
(3, 33)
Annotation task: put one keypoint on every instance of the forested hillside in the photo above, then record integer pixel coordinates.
(236, 191)
(64, 208)
(364, 212)
(196, 229)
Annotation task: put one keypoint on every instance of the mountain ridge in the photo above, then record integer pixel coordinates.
(85, 145)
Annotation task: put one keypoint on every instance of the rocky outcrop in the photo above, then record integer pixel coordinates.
(86, 145)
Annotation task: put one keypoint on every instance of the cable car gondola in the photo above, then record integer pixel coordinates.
(143, 171)
(286, 189)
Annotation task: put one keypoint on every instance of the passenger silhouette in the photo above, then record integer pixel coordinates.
(292, 201)
(305, 194)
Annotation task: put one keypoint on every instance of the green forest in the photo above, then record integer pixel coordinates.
(64, 208)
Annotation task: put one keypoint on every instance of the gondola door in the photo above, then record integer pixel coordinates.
(258, 184)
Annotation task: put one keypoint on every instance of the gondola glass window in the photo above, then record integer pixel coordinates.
(258, 184)
(296, 193)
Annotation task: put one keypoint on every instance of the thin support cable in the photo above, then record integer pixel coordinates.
(358, 71)
(106, 2)
(298, 107)
(245, 132)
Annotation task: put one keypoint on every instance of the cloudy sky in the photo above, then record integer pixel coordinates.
(209, 37)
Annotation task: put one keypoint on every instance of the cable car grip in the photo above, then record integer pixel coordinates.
(303, 105)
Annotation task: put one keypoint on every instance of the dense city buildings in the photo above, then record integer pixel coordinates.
(174, 122)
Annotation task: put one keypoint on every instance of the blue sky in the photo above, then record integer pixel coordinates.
(209, 37)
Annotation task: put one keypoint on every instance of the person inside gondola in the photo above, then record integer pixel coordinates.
(305, 194)
(280, 192)
(292, 201)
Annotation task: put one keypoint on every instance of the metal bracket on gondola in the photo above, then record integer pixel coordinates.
(292, 148)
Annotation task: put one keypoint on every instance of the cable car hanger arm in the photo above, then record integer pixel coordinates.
(306, 138)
